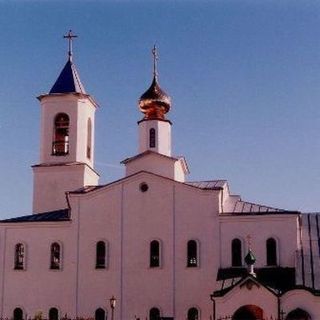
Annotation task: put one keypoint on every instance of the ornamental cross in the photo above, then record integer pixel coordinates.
(155, 58)
(70, 37)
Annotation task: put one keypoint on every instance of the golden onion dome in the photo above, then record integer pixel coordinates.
(154, 103)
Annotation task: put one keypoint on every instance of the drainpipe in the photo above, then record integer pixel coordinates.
(213, 307)
(279, 308)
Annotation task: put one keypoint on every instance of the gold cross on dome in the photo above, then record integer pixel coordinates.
(155, 58)
(70, 37)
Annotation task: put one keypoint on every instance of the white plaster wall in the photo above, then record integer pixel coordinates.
(196, 219)
(99, 219)
(260, 227)
(163, 136)
(86, 110)
(52, 182)
(38, 288)
(90, 177)
(129, 219)
(179, 173)
(147, 216)
(155, 163)
(152, 163)
(229, 201)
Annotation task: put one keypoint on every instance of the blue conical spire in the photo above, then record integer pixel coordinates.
(68, 80)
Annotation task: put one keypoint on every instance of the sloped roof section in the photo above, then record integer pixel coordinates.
(68, 80)
(87, 189)
(276, 279)
(308, 258)
(208, 185)
(247, 207)
(57, 215)
(147, 152)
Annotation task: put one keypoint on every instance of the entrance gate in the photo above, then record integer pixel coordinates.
(248, 312)
(298, 314)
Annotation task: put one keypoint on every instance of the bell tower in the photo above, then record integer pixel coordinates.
(154, 128)
(154, 152)
(66, 139)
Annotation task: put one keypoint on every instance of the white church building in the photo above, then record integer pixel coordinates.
(162, 246)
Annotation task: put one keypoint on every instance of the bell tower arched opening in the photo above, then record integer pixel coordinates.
(60, 144)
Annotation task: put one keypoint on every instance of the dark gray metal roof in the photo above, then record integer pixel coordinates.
(208, 185)
(277, 279)
(308, 258)
(246, 207)
(57, 215)
(68, 81)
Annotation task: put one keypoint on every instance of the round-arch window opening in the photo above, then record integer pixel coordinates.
(143, 187)
(60, 143)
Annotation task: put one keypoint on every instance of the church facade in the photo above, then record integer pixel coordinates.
(160, 245)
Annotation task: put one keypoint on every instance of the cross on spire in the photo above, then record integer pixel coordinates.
(70, 37)
(155, 58)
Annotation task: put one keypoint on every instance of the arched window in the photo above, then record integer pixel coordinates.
(89, 138)
(236, 253)
(19, 257)
(154, 314)
(154, 254)
(55, 256)
(60, 145)
(192, 251)
(271, 252)
(152, 138)
(298, 314)
(17, 314)
(100, 255)
(100, 314)
(53, 314)
(193, 314)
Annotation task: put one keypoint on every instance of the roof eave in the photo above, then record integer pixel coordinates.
(78, 94)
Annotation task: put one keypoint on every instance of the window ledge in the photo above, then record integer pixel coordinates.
(55, 270)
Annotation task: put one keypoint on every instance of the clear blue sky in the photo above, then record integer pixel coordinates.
(244, 77)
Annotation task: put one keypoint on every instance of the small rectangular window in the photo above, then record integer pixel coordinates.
(100, 255)
(154, 254)
(152, 138)
(192, 259)
(19, 257)
(55, 256)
